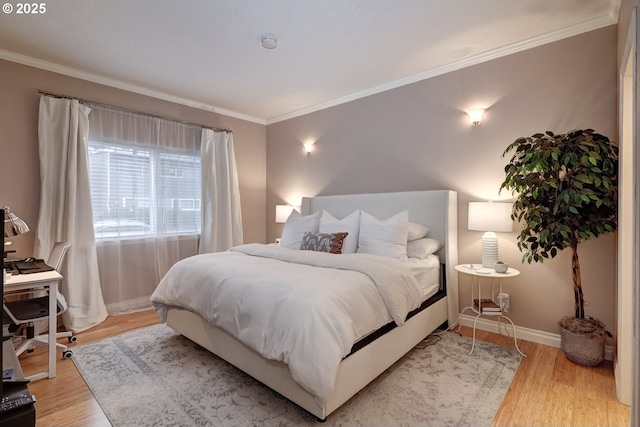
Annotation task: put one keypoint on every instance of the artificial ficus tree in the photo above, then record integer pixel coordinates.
(566, 188)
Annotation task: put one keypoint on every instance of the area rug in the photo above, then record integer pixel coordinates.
(156, 377)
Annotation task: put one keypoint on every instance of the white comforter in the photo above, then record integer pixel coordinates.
(303, 308)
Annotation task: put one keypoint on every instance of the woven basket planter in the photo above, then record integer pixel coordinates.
(583, 349)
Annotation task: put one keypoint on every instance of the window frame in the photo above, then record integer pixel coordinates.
(158, 213)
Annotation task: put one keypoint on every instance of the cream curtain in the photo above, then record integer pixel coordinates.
(118, 273)
(221, 213)
(131, 267)
(65, 208)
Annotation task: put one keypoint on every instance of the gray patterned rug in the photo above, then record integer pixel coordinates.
(155, 377)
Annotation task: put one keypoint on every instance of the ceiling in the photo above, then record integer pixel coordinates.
(208, 53)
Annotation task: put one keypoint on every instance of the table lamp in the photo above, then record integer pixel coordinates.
(13, 226)
(490, 217)
(283, 212)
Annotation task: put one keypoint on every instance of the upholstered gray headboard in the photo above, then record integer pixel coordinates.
(438, 210)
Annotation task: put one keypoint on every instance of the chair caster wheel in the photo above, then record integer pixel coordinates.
(72, 338)
(67, 354)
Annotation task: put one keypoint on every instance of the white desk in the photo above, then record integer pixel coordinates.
(48, 279)
(477, 273)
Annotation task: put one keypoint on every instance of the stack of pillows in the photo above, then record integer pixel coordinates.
(359, 232)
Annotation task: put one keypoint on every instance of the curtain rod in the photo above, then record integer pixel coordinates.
(86, 101)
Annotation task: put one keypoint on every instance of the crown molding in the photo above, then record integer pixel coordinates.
(457, 65)
(554, 36)
(118, 84)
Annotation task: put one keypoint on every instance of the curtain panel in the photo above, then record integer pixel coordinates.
(221, 212)
(131, 267)
(65, 208)
(100, 166)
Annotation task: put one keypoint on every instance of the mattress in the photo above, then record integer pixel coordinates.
(427, 273)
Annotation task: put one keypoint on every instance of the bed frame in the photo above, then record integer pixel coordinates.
(434, 209)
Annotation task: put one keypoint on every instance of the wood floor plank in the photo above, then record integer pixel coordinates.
(66, 400)
(547, 390)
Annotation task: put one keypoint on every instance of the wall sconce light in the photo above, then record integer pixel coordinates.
(308, 148)
(476, 116)
(490, 217)
(283, 212)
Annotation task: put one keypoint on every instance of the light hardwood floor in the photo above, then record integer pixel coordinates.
(548, 390)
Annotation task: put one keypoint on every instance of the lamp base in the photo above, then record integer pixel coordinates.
(10, 251)
(489, 249)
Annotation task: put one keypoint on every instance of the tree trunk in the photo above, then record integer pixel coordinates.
(577, 282)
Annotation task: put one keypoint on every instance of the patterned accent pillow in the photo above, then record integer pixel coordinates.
(323, 242)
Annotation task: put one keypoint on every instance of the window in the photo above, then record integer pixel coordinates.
(142, 191)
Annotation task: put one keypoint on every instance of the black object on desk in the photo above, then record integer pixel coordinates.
(27, 265)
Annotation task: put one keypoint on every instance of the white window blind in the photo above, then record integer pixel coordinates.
(143, 191)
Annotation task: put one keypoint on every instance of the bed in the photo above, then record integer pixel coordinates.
(372, 352)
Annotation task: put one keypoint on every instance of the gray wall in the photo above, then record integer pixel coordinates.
(418, 137)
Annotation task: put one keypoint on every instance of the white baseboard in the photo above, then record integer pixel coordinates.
(533, 335)
(129, 306)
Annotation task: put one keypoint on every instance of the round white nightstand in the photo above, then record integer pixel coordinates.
(486, 306)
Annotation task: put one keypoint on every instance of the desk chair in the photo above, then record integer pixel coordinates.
(25, 313)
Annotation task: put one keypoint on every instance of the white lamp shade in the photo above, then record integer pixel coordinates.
(13, 226)
(490, 216)
(283, 212)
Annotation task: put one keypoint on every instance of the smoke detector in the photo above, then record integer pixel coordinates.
(269, 41)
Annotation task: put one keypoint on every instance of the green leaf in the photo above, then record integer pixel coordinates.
(565, 186)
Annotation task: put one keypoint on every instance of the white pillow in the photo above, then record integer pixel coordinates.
(385, 238)
(416, 231)
(349, 224)
(421, 248)
(295, 227)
